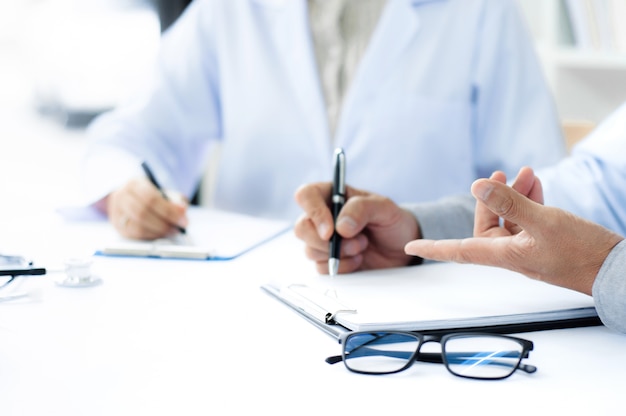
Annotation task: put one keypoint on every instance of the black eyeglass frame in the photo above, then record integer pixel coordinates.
(14, 266)
(438, 358)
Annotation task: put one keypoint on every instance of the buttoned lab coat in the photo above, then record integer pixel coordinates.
(447, 92)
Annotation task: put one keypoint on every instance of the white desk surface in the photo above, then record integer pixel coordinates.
(193, 337)
(163, 337)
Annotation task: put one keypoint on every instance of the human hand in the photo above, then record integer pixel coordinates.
(487, 223)
(544, 243)
(139, 211)
(373, 228)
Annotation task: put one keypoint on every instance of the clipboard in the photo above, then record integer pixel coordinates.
(300, 300)
(211, 235)
(436, 298)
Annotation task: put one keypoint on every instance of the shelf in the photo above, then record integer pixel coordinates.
(587, 84)
(573, 58)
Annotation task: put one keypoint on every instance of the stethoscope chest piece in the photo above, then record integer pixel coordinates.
(78, 274)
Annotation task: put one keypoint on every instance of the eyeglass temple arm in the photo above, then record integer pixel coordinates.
(527, 368)
(425, 357)
(334, 359)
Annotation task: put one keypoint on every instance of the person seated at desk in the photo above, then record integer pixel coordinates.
(444, 90)
(543, 242)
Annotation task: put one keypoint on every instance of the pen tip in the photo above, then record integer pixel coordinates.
(333, 266)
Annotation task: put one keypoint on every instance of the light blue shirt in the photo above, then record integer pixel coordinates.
(591, 183)
(446, 92)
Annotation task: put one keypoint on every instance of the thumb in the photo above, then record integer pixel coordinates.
(507, 203)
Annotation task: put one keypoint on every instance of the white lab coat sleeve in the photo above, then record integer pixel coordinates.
(516, 122)
(591, 182)
(609, 289)
(170, 120)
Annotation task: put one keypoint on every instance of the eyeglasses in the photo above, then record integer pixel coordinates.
(470, 355)
(13, 266)
(6, 280)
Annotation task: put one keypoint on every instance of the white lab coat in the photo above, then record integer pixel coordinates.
(448, 91)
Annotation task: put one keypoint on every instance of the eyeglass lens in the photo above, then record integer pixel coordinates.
(475, 356)
(379, 352)
(7, 261)
(489, 357)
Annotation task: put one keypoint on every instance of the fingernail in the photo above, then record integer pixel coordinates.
(482, 190)
(347, 222)
(354, 246)
(322, 229)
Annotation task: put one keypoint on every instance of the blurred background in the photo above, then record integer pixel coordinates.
(582, 45)
(81, 56)
(65, 61)
(62, 63)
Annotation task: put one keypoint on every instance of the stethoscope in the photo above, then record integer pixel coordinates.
(76, 273)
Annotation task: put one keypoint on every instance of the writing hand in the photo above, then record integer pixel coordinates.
(139, 211)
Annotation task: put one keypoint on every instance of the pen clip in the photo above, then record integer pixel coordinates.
(339, 179)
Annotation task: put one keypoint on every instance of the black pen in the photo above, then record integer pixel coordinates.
(152, 179)
(339, 198)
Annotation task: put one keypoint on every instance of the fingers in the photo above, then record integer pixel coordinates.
(316, 248)
(346, 265)
(138, 210)
(470, 250)
(486, 223)
(371, 211)
(507, 203)
(506, 252)
(306, 230)
(375, 231)
(526, 183)
(315, 226)
(314, 199)
(536, 193)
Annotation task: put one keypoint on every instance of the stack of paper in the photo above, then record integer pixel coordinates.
(437, 297)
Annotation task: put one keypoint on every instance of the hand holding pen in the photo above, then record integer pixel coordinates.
(156, 184)
(139, 210)
(361, 231)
